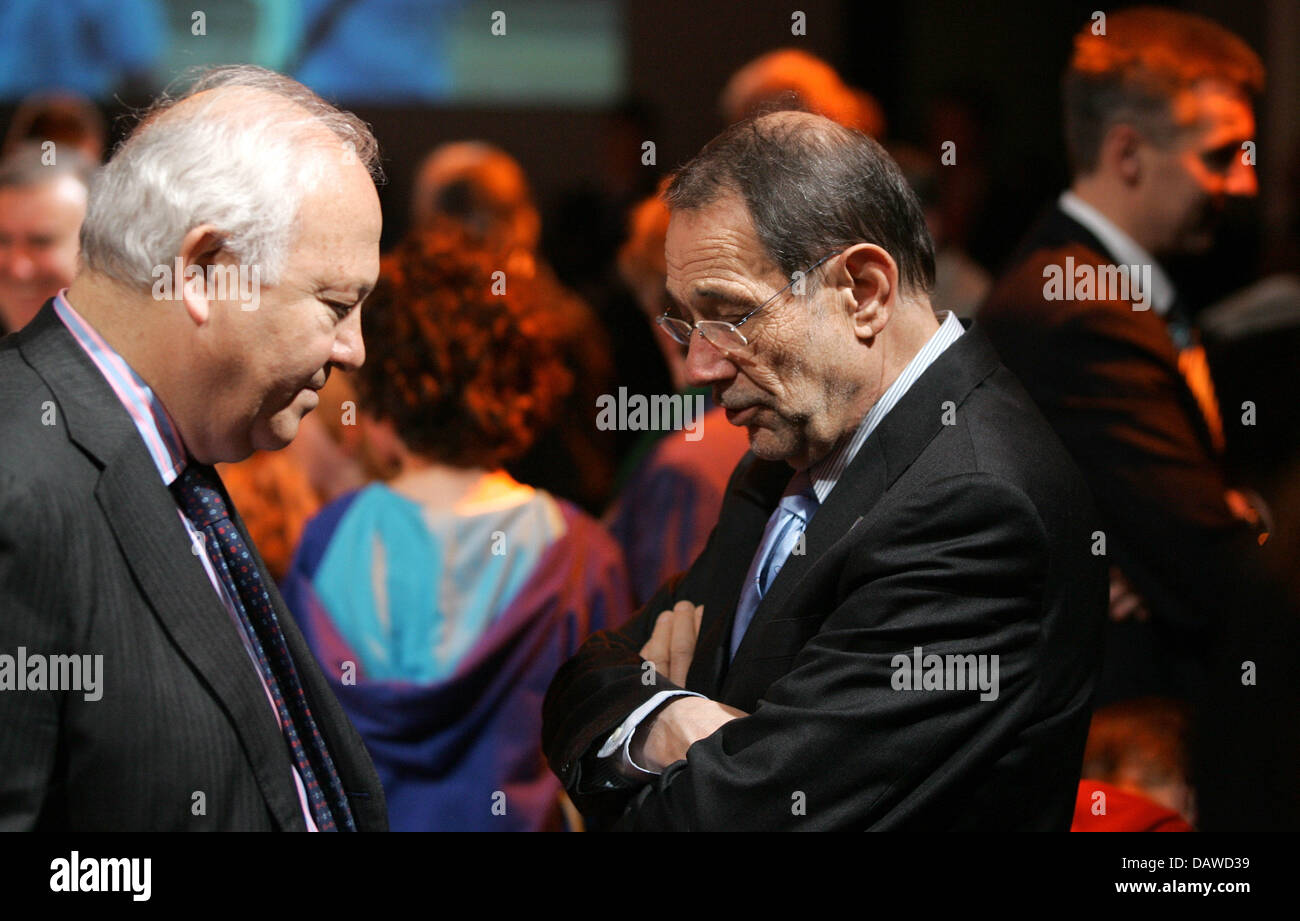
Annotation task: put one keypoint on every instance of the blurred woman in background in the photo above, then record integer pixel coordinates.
(441, 602)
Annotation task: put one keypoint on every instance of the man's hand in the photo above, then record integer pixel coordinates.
(677, 727)
(684, 721)
(1125, 602)
(672, 645)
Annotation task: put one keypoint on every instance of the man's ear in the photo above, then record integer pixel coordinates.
(1119, 153)
(873, 276)
(199, 249)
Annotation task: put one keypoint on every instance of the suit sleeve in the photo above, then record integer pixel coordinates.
(593, 692)
(1116, 405)
(837, 742)
(589, 698)
(34, 617)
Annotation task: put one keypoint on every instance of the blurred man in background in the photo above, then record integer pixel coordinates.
(1160, 131)
(42, 204)
(796, 78)
(67, 119)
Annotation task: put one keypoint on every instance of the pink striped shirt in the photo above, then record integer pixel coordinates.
(170, 457)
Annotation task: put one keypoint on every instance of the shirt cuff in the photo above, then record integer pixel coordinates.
(620, 740)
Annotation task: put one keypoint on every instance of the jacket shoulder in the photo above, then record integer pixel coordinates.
(32, 429)
(1011, 438)
(1031, 293)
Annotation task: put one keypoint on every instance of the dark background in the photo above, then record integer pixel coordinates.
(1002, 59)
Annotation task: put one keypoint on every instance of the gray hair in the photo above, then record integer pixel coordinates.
(813, 188)
(240, 168)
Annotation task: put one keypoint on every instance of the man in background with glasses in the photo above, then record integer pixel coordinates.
(896, 621)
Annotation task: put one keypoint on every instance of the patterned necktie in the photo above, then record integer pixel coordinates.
(198, 493)
(784, 529)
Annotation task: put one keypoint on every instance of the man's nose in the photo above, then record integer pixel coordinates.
(1241, 180)
(17, 264)
(349, 349)
(705, 362)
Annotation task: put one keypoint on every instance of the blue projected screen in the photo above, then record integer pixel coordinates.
(567, 52)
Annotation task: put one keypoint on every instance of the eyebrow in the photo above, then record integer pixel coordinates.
(361, 291)
(734, 300)
(737, 302)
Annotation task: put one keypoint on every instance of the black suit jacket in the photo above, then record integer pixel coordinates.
(964, 538)
(1106, 377)
(95, 560)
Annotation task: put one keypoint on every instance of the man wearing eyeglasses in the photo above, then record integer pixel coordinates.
(896, 621)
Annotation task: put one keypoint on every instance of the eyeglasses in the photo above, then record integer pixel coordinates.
(719, 333)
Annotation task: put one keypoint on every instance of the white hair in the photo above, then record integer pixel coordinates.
(242, 168)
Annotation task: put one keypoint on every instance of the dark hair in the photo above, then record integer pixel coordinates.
(467, 375)
(1132, 72)
(67, 119)
(812, 187)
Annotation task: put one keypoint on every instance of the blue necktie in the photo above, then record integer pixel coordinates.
(198, 493)
(784, 529)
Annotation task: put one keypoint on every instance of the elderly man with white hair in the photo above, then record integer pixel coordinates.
(152, 676)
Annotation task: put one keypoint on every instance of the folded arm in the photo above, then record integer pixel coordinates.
(835, 742)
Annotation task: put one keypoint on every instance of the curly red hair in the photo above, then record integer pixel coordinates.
(461, 357)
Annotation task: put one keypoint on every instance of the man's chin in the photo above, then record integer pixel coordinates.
(279, 432)
(17, 312)
(767, 445)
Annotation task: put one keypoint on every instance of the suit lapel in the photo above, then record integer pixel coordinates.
(896, 442)
(1060, 229)
(143, 517)
(1063, 229)
(740, 529)
(157, 547)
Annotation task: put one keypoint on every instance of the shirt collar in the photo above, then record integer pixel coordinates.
(1122, 249)
(141, 403)
(827, 471)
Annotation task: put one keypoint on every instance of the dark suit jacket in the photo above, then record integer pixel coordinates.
(964, 538)
(1106, 377)
(95, 560)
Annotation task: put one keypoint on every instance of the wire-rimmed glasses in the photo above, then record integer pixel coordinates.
(719, 333)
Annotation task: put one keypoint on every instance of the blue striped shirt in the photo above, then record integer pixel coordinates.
(826, 472)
